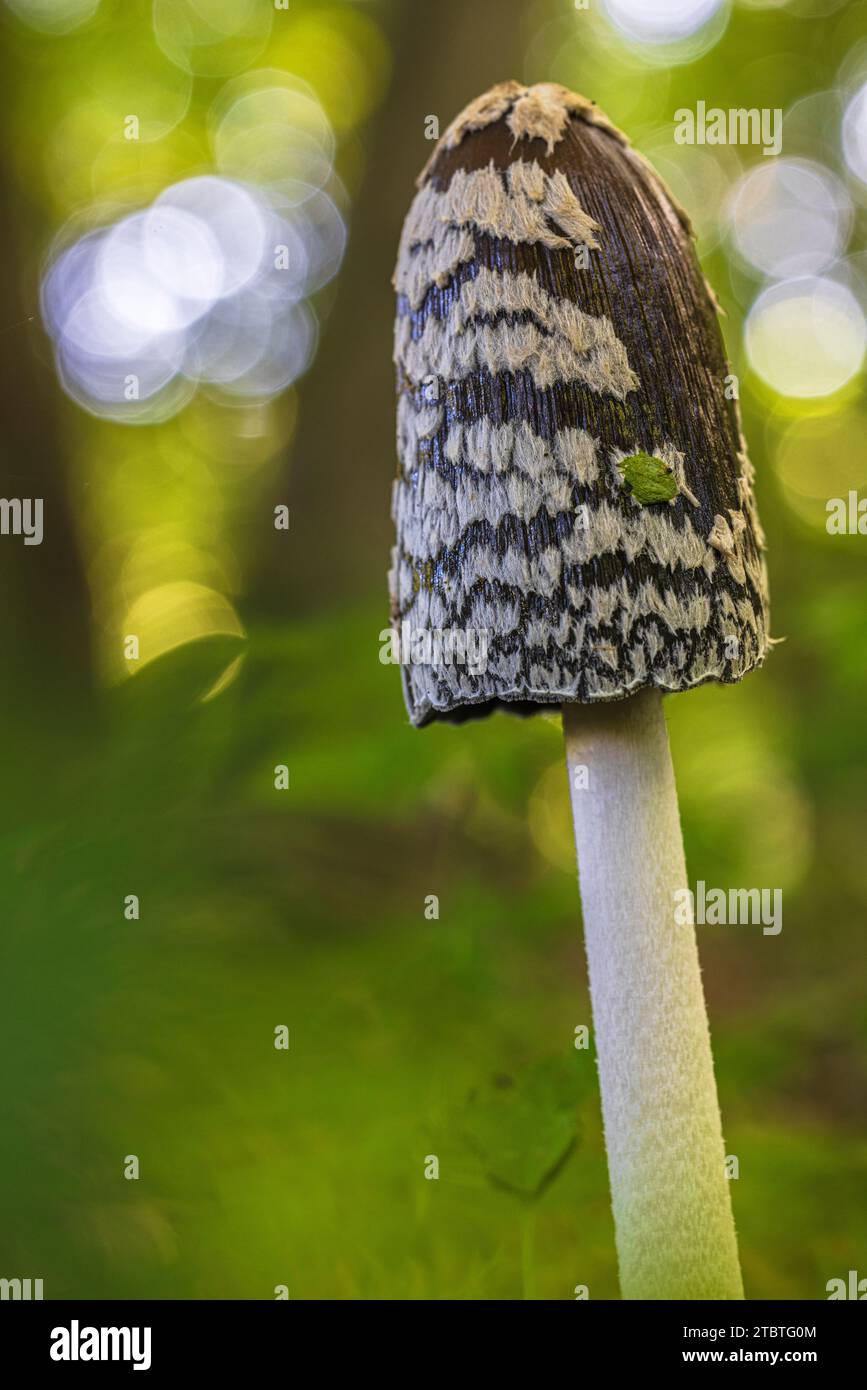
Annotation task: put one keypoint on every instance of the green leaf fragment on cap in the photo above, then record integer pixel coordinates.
(649, 479)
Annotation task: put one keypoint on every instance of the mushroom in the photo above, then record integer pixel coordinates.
(574, 487)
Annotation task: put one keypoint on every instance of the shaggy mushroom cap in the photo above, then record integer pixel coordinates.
(574, 502)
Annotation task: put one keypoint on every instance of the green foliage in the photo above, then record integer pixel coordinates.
(306, 907)
(521, 1130)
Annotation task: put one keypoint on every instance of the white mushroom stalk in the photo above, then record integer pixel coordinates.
(663, 1135)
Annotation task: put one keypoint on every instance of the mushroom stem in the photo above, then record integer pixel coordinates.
(670, 1196)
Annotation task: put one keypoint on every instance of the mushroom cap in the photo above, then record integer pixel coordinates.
(574, 502)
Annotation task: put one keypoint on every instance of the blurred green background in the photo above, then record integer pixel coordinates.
(410, 1036)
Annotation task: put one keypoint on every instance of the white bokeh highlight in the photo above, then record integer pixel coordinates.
(235, 219)
(806, 338)
(790, 217)
(660, 21)
(269, 128)
(209, 286)
(855, 134)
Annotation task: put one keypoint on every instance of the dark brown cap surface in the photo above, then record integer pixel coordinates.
(574, 506)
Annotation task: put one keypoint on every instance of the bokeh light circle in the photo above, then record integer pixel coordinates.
(141, 100)
(126, 284)
(820, 458)
(54, 16)
(284, 356)
(855, 134)
(790, 217)
(322, 228)
(806, 338)
(660, 21)
(206, 286)
(811, 127)
(184, 256)
(235, 218)
(215, 39)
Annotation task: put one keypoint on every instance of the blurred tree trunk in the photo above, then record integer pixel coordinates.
(45, 652)
(338, 475)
